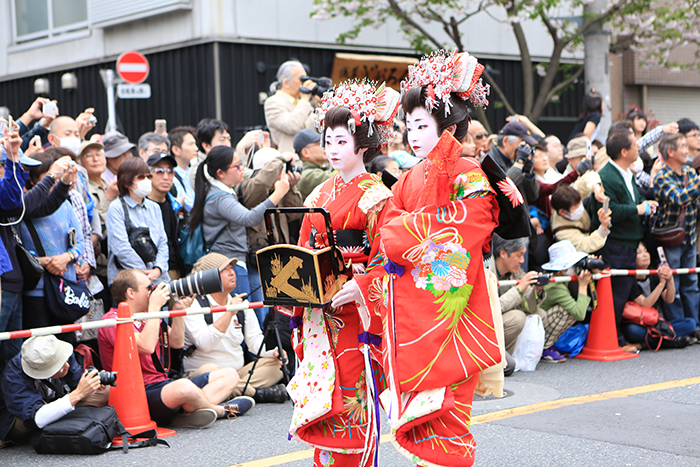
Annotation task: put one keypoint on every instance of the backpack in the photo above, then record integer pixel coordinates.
(191, 241)
(89, 430)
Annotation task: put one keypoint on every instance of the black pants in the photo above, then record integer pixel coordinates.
(620, 257)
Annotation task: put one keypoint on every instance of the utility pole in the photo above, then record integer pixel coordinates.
(597, 63)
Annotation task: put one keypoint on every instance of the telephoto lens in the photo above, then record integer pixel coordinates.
(200, 283)
(107, 378)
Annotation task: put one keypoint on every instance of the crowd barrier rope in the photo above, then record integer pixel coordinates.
(107, 323)
(609, 273)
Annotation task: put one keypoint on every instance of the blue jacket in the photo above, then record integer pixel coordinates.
(10, 198)
(19, 396)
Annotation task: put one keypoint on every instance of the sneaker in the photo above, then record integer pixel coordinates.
(551, 355)
(276, 393)
(201, 418)
(237, 406)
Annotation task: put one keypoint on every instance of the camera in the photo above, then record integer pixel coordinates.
(92, 120)
(323, 84)
(543, 279)
(201, 283)
(590, 264)
(107, 378)
(290, 167)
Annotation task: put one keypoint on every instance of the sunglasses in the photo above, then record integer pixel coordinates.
(481, 135)
(162, 170)
(140, 177)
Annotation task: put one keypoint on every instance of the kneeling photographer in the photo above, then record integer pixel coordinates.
(42, 384)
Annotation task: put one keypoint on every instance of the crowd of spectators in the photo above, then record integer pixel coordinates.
(110, 213)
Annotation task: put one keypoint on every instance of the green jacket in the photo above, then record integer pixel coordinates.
(312, 175)
(626, 224)
(557, 293)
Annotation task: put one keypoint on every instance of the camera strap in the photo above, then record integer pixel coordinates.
(162, 364)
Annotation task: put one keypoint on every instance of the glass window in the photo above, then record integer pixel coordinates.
(35, 19)
(31, 16)
(67, 12)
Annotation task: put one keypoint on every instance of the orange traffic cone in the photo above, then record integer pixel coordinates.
(602, 334)
(129, 396)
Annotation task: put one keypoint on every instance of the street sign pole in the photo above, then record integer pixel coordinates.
(108, 79)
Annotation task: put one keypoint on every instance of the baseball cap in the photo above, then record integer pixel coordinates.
(578, 147)
(43, 356)
(89, 144)
(213, 260)
(153, 159)
(26, 161)
(304, 138)
(520, 130)
(116, 144)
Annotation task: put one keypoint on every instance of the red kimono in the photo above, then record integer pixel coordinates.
(432, 295)
(335, 406)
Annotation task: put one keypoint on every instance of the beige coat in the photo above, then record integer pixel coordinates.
(285, 117)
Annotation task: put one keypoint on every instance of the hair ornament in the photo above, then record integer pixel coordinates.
(442, 73)
(367, 102)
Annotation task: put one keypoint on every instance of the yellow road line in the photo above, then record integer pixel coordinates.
(502, 414)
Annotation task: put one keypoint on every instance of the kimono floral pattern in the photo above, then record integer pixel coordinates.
(470, 185)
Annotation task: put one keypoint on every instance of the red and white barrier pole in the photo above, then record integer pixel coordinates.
(107, 323)
(612, 272)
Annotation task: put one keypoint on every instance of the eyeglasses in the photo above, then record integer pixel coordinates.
(481, 135)
(692, 135)
(237, 166)
(140, 177)
(162, 170)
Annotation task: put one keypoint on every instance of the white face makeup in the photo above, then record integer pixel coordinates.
(340, 150)
(422, 131)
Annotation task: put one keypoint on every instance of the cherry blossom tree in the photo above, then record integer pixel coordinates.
(652, 31)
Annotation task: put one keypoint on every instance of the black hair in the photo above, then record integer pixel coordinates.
(220, 157)
(564, 198)
(128, 170)
(458, 116)
(592, 102)
(686, 125)
(338, 117)
(177, 135)
(47, 158)
(206, 130)
(379, 164)
(623, 126)
(635, 113)
(617, 142)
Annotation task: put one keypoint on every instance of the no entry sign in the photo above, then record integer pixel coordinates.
(132, 67)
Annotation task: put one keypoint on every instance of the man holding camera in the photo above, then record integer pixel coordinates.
(289, 110)
(194, 403)
(42, 384)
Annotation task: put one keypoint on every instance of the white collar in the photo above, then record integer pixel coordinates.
(625, 173)
(221, 186)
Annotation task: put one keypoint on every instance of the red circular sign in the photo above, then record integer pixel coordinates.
(132, 67)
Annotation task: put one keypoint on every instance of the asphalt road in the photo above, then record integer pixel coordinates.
(640, 412)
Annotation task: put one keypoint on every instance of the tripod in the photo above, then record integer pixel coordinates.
(272, 327)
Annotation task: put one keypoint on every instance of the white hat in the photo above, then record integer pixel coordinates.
(43, 356)
(563, 255)
(263, 156)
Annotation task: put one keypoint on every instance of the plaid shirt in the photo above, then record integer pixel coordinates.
(671, 194)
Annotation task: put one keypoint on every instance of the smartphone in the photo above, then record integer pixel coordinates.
(606, 204)
(262, 138)
(49, 109)
(662, 256)
(72, 237)
(161, 126)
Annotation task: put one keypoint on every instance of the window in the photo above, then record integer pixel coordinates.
(36, 19)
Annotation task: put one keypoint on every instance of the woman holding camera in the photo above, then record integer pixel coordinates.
(334, 389)
(432, 292)
(136, 236)
(223, 218)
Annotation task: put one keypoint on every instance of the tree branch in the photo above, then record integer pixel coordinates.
(555, 89)
(526, 61)
(498, 91)
(403, 16)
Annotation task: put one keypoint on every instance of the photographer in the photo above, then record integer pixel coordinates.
(42, 384)
(560, 309)
(268, 167)
(570, 221)
(289, 110)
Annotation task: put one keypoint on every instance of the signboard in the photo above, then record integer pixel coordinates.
(375, 67)
(132, 67)
(133, 91)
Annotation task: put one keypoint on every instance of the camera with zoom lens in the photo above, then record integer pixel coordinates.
(107, 378)
(590, 264)
(290, 167)
(323, 84)
(200, 283)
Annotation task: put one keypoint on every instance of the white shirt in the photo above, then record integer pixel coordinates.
(551, 175)
(223, 349)
(628, 176)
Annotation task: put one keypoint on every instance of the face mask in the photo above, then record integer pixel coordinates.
(577, 214)
(143, 188)
(637, 166)
(71, 143)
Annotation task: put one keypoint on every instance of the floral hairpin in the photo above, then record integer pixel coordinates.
(442, 73)
(367, 102)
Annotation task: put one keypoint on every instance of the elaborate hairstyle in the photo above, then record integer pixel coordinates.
(365, 102)
(364, 137)
(442, 73)
(458, 115)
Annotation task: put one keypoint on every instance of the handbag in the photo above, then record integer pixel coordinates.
(530, 344)
(674, 234)
(67, 300)
(29, 264)
(638, 314)
(139, 238)
(661, 330)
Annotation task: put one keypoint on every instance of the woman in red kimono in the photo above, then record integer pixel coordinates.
(334, 390)
(431, 292)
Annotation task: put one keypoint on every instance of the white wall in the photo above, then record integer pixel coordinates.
(278, 21)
